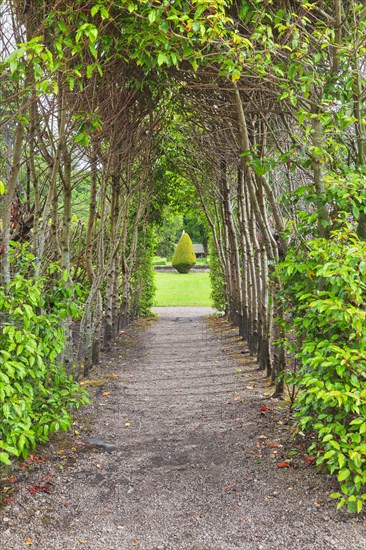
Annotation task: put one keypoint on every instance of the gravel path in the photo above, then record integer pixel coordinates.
(175, 453)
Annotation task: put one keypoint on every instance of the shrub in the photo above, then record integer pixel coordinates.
(325, 292)
(218, 294)
(143, 277)
(159, 260)
(184, 257)
(36, 393)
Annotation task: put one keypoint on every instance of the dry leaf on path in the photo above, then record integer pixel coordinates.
(36, 458)
(273, 445)
(39, 489)
(283, 465)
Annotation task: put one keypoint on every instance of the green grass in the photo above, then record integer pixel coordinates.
(180, 289)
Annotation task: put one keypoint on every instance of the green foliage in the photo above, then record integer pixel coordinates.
(218, 294)
(142, 281)
(36, 394)
(184, 257)
(168, 234)
(159, 260)
(325, 292)
(195, 224)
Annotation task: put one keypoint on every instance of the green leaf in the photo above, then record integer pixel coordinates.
(341, 460)
(4, 458)
(162, 58)
(94, 10)
(343, 474)
(152, 16)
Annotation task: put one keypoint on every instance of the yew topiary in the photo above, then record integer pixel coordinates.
(184, 257)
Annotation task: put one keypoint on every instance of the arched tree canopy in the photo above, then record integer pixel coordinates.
(248, 116)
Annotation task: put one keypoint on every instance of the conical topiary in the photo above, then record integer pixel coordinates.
(184, 257)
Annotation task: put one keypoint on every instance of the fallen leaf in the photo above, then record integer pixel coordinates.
(283, 465)
(134, 542)
(264, 408)
(61, 452)
(76, 432)
(40, 489)
(12, 479)
(262, 436)
(46, 477)
(238, 398)
(28, 541)
(36, 458)
(127, 424)
(310, 460)
(105, 393)
(273, 445)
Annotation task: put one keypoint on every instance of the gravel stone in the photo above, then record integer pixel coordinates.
(106, 445)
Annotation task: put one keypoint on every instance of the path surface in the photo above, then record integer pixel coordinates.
(188, 465)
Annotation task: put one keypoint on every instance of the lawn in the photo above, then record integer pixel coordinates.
(180, 289)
